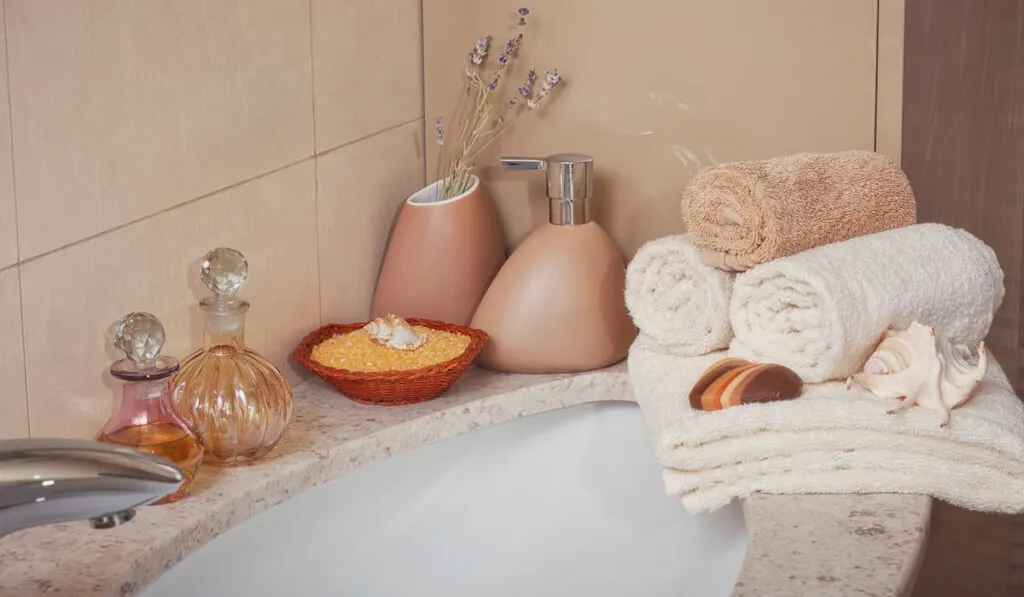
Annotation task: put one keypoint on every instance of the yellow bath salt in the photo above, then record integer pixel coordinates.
(356, 351)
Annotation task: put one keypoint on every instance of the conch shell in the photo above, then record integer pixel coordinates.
(394, 332)
(916, 366)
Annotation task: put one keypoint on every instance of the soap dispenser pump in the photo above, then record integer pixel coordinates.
(558, 304)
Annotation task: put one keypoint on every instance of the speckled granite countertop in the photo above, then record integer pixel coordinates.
(798, 545)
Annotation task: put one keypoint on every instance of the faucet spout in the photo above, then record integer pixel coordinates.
(44, 481)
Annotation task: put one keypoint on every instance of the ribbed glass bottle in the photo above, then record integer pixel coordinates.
(236, 400)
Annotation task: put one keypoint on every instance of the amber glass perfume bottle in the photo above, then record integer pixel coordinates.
(146, 420)
(237, 400)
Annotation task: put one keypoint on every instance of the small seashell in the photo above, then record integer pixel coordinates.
(378, 328)
(892, 354)
(394, 332)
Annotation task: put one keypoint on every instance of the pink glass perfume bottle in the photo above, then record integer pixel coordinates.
(238, 402)
(147, 420)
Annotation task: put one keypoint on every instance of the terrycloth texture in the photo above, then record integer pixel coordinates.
(821, 312)
(828, 441)
(678, 300)
(746, 213)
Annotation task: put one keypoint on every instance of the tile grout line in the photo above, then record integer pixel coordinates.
(423, 88)
(167, 209)
(10, 138)
(316, 171)
(878, 52)
(17, 232)
(24, 351)
(386, 129)
(212, 193)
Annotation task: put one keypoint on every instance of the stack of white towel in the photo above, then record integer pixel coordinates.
(821, 313)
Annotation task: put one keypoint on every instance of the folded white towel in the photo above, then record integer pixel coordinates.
(821, 312)
(828, 441)
(676, 299)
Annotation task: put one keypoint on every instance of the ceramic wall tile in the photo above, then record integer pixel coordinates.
(13, 409)
(656, 89)
(367, 67)
(8, 223)
(360, 190)
(73, 296)
(123, 109)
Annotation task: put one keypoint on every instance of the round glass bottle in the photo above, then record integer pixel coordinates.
(239, 403)
(147, 420)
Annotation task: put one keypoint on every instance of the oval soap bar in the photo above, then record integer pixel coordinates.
(711, 398)
(762, 383)
(712, 373)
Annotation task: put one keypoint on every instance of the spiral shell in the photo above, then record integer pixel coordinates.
(892, 354)
(923, 369)
(394, 332)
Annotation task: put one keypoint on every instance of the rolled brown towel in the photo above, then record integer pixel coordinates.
(745, 213)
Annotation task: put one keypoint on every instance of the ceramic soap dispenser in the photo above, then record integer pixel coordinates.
(146, 420)
(237, 400)
(558, 304)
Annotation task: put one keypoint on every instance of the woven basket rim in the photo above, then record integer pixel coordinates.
(302, 353)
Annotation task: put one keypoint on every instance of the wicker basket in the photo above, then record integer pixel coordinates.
(392, 388)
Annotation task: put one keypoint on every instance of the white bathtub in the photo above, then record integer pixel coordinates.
(565, 503)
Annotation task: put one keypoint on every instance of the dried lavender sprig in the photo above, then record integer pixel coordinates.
(479, 52)
(476, 124)
(551, 79)
(527, 88)
(511, 49)
(522, 16)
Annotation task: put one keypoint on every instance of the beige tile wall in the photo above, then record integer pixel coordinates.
(657, 89)
(347, 220)
(367, 57)
(13, 407)
(135, 135)
(8, 224)
(142, 134)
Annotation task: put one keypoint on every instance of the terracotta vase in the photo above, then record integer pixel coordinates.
(441, 258)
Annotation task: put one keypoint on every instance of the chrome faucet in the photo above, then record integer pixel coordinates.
(43, 481)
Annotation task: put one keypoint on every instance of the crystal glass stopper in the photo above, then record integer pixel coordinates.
(224, 270)
(140, 336)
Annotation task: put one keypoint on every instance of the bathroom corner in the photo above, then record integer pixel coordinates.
(454, 409)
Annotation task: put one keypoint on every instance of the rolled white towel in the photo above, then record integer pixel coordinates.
(676, 299)
(821, 312)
